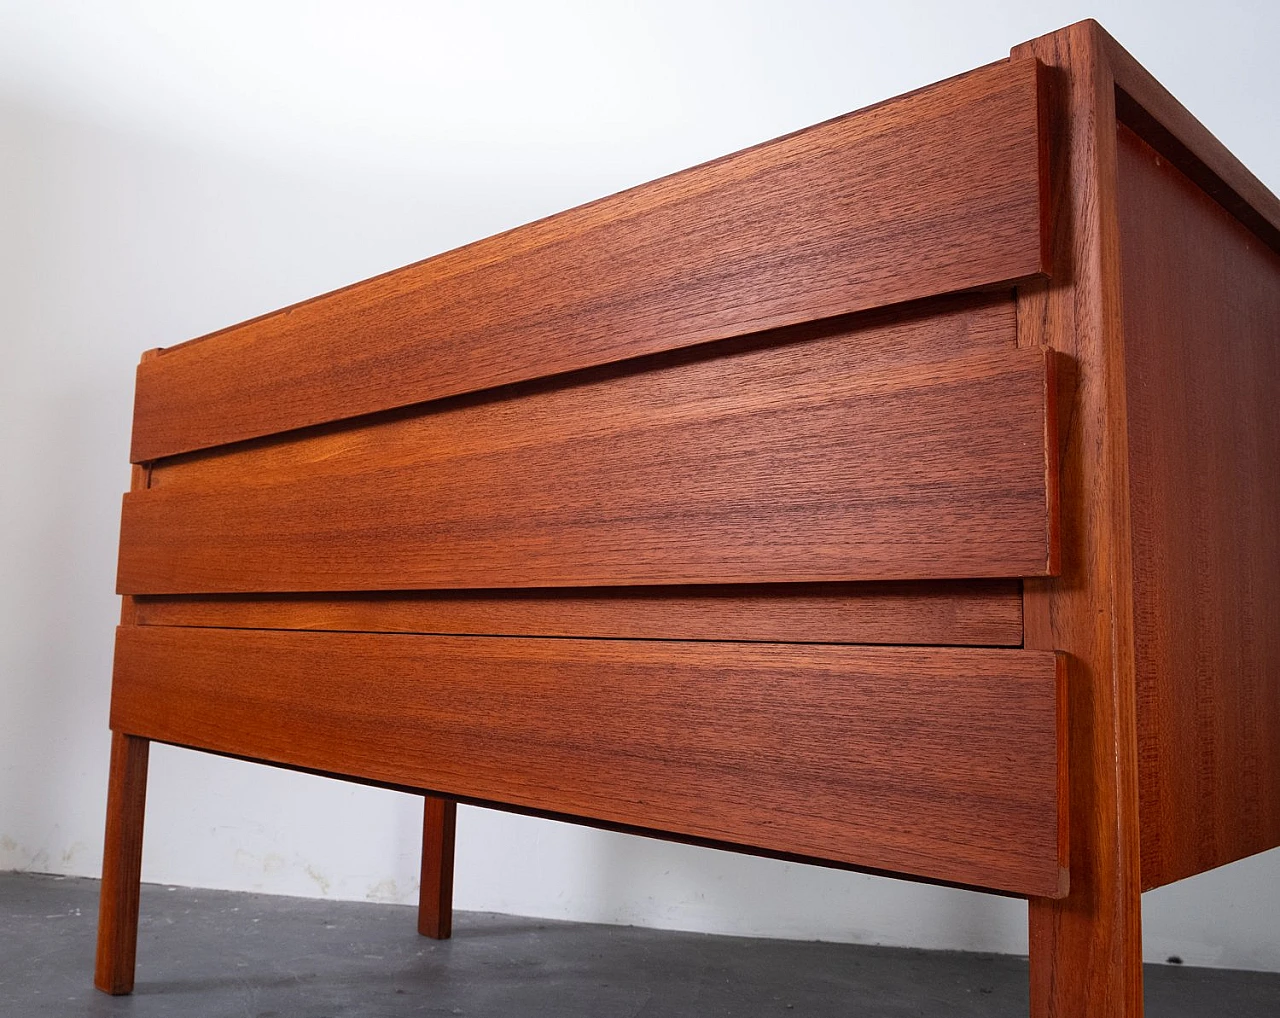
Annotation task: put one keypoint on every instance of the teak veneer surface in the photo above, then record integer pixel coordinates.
(931, 193)
(979, 612)
(940, 762)
(907, 337)
(1202, 338)
(761, 469)
(1086, 948)
(1147, 107)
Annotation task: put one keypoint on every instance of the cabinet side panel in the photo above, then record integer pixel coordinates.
(1202, 338)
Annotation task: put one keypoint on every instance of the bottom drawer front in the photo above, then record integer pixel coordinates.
(938, 762)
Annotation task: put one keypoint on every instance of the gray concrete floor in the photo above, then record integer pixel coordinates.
(207, 953)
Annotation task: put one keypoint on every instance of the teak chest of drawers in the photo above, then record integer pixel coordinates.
(899, 495)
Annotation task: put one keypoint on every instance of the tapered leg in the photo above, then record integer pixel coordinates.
(121, 865)
(1086, 948)
(1086, 956)
(435, 899)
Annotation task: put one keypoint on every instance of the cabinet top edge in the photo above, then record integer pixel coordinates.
(1147, 108)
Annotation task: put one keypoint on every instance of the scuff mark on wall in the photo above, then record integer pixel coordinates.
(14, 856)
(321, 880)
(384, 891)
(69, 856)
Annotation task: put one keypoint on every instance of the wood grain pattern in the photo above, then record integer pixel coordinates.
(121, 865)
(903, 337)
(139, 480)
(1202, 338)
(728, 475)
(940, 762)
(866, 210)
(435, 889)
(1086, 949)
(984, 613)
(119, 894)
(1146, 106)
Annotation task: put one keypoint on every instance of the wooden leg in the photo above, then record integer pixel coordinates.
(121, 865)
(1086, 959)
(1086, 948)
(435, 898)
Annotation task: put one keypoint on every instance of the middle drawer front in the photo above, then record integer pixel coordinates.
(933, 762)
(908, 445)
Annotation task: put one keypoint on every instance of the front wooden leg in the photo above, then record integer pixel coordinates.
(435, 896)
(1086, 948)
(1086, 956)
(121, 865)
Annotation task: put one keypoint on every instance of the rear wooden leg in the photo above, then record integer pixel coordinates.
(435, 896)
(121, 865)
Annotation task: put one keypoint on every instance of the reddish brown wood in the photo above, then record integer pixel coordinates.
(930, 472)
(906, 338)
(870, 209)
(121, 865)
(1086, 949)
(899, 338)
(985, 613)
(118, 896)
(128, 605)
(139, 480)
(1202, 341)
(435, 892)
(1146, 106)
(903, 337)
(902, 759)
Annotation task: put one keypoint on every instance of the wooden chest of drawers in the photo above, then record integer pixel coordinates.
(898, 494)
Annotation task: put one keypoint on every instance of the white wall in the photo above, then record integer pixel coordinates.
(169, 168)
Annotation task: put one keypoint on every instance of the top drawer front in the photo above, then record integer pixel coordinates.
(933, 193)
(834, 458)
